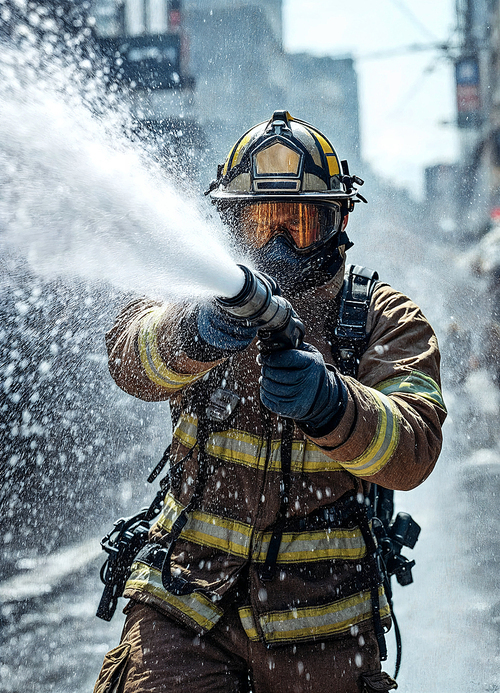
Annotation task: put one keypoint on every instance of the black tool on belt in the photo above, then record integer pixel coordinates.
(392, 534)
(122, 545)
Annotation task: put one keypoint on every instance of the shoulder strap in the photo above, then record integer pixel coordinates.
(349, 337)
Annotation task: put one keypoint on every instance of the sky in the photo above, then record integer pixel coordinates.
(407, 99)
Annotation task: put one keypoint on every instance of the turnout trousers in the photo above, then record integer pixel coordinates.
(159, 655)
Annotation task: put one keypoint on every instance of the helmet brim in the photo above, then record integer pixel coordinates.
(311, 197)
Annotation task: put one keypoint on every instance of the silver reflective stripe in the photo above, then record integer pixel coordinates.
(384, 443)
(230, 536)
(310, 622)
(248, 623)
(239, 539)
(195, 605)
(414, 383)
(240, 447)
(153, 364)
(305, 547)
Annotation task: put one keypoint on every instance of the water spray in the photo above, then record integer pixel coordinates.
(259, 304)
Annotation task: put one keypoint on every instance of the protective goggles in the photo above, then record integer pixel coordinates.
(305, 223)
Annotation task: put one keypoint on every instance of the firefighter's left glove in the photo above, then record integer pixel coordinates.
(297, 384)
(210, 334)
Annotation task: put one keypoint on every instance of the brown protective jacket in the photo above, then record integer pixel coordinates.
(390, 434)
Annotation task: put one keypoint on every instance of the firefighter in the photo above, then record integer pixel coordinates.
(259, 571)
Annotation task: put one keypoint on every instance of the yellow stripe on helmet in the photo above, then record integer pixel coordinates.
(234, 156)
(333, 163)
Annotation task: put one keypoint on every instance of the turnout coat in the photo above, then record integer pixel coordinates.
(390, 434)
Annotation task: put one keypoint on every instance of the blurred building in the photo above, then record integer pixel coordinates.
(243, 75)
(477, 74)
(232, 51)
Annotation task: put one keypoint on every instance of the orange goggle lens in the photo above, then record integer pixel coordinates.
(305, 223)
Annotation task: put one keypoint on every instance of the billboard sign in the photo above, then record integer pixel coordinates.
(146, 62)
(468, 92)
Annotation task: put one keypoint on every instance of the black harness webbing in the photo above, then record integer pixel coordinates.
(176, 584)
(349, 339)
(268, 570)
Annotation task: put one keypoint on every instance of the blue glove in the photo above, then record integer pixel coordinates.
(209, 334)
(219, 329)
(296, 384)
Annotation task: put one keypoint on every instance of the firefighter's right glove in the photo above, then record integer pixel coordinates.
(210, 334)
(297, 384)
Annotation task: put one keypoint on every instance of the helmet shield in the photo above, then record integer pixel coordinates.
(304, 224)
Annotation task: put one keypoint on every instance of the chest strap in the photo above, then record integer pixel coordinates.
(349, 336)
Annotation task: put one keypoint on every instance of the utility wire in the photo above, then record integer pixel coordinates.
(445, 46)
(450, 47)
(403, 7)
(410, 94)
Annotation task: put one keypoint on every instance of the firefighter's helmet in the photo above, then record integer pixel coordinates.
(286, 195)
(284, 159)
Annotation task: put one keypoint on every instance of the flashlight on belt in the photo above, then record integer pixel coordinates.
(259, 304)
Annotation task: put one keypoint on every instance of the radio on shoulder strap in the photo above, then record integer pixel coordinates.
(349, 336)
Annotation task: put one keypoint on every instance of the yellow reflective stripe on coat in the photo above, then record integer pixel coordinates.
(169, 513)
(320, 545)
(195, 605)
(320, 621)
(235, 538)
(384, 442)
(239, 447)
(415, 383)
(186, 430)
(231, 536)
(151, 361)
(248, 622)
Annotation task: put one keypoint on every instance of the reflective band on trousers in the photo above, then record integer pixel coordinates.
(151, 361)
(239, 539)
(239, 447)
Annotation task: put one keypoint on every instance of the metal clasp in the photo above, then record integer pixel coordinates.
(222, 404)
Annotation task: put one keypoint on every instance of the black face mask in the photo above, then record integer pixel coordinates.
(295, 271)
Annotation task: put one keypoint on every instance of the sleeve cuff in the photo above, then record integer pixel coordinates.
(333, 421)
(339, 434)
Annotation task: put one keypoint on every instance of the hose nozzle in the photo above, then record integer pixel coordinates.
(260, 305)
